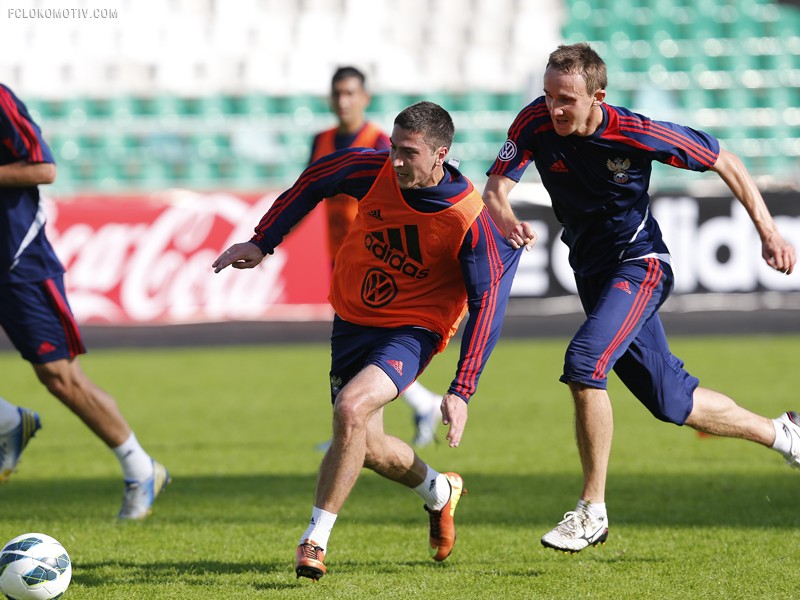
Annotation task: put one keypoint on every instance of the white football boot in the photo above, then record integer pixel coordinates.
(578, 530)
(790, 422)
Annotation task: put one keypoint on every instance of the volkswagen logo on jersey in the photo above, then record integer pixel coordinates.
(620, 168)
(508, 151)
(378, 289)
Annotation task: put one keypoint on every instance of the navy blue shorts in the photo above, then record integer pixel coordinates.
(623, 331)
(39, 322)
(400, 352)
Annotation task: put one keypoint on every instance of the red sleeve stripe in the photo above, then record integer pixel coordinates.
(22, 125)
(311, 175)
(477, 347)
(637, 308)
(688, 142)
(702, 154)
(528, 114)
(68, 324)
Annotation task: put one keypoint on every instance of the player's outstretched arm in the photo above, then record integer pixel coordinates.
(25, 174)
(454, 413)
(239, 256)
(776, 251)
(495, 196)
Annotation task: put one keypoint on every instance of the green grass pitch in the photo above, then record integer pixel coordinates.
(690, 517)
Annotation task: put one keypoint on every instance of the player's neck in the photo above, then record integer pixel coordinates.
(350, 128)
(593, 123)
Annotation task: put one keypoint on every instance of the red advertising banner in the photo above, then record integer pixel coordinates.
(147, 260)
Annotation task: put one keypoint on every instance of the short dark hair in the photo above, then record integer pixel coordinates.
(581, 59)
(347, 73)
(429, 119)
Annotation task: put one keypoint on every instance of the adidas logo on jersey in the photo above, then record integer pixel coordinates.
(399, 249)
(559, 167)
(375, 214)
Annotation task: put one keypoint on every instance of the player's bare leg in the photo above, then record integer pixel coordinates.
(359, 440)
(96, 408)
(144, 478)
(358, 403)
(587, 525)
(364, 396)
(716, 413)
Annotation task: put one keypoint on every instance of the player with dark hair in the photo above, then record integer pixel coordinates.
(349, 101)
(421, 252)
(595, 161)
(36, 316)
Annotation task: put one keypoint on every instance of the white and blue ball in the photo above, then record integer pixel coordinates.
(34, 566)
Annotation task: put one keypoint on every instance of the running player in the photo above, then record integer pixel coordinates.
(595, 162)
(349, 101)
(37, 318)
(422, 251)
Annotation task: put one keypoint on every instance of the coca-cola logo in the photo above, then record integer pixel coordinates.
(150, 260)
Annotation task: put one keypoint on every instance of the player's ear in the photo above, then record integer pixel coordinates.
(441, 154)
(599, 96)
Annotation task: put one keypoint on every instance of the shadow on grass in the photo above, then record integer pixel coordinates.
(95, 574)
(767, 500)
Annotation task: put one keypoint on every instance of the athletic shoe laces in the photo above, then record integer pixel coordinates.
(310, 551)
(576, 523)
(569, 524)
(436, 522)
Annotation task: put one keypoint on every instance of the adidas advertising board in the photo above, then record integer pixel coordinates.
(713, 245)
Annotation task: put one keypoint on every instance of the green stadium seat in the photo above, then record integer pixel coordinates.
(387, 103)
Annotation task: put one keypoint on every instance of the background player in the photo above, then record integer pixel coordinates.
(421, 250)
(595, 161)
(36, 316)
(349, 101)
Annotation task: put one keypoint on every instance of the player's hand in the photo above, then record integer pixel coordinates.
(240, 256)
(779, 254)
(454, 413)
(522, 235)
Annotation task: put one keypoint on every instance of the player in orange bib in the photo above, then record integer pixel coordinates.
(349, 100)
(422, 252)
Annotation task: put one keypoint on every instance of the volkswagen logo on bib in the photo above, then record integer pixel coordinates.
(378, 289)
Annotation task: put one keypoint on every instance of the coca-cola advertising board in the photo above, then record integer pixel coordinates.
(147, 260)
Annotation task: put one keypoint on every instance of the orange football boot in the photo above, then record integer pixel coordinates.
(309, 559)
(443, 529)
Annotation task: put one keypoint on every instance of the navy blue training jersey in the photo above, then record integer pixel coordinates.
(598, 184)
(25, 252)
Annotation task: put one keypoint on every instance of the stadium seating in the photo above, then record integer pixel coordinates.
(129, 107)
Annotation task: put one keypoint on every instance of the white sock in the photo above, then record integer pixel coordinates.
(596, 509)
(319, 527)
(420, 398)
(9, 416)
(435, 490)
(783, 441)
(135, 462)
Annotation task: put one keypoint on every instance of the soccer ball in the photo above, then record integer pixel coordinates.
(34, 566)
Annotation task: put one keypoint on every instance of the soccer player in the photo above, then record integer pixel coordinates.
(595, 162)
(422, 251)
(349, 100)
(36, 316)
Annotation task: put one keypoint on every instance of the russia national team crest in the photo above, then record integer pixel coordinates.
(507, 152)
(620, 168)
(378, 288)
